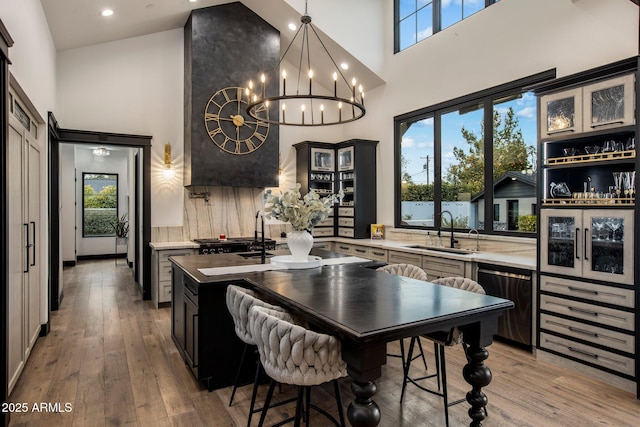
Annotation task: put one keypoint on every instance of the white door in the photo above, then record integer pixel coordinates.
(33, 199)
(24, 195)
(17, 250)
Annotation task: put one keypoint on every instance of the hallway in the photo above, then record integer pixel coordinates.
(110, 356)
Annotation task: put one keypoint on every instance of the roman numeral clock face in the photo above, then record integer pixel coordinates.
(230, 127)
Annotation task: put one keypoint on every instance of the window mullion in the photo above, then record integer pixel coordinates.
(437, 19)
(437, 171)
(488, 165)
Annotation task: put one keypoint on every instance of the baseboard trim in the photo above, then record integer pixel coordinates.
(101, 256)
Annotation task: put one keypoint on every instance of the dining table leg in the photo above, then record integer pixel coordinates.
(476, 337)
(363, 411)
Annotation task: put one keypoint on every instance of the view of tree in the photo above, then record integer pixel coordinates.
(510, 153)
(106, 198)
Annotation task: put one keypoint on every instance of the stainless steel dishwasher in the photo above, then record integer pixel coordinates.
(515, 285)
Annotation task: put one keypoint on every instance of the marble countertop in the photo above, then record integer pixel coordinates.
(174, 245)
(514, 261)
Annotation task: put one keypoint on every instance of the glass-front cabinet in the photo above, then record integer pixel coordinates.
(594, 243)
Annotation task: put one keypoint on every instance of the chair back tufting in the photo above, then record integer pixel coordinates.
(406, 270)
(239, 302)
(292, 354)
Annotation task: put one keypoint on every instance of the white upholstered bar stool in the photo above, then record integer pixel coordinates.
(292, 354)
(441, 339)
(239, 302)
(413, 272)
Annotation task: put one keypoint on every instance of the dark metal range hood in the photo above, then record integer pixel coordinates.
(225, 47)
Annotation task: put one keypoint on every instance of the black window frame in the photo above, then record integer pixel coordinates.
(486, 97)
(436, 17)
(84, 233)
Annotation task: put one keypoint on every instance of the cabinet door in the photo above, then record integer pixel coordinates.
(608, 245)
(177, 307)
(191, 331)
(560, 234)
(561, 113)
(609, 103)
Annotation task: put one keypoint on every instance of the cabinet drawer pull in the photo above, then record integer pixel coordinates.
(583, 331)
(584, 353)
(585, 291)
(361, 251)
(583, 311)
(344, 247)
(377, 253)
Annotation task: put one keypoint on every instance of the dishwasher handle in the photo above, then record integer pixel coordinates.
(504, 274)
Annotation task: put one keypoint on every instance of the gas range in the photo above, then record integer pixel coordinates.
(233, 244)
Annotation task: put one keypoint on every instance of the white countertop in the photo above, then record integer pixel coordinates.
(515, 261)
(174, 245)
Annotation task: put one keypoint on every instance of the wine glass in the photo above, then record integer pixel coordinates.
(598, 225)
(609, 146)
(614, 225)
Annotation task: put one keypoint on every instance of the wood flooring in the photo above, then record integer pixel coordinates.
(110, 361)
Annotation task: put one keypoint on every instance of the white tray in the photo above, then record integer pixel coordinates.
(286, 261)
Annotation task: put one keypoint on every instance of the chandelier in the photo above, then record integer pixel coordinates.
(101, 152)
(306, 102)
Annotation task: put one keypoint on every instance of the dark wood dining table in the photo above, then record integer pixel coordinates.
(366, 309)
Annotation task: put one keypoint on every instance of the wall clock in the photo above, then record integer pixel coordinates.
(230, 127)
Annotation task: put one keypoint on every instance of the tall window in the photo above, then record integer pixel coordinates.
(415, 20)
(99, 204)
(474, 157)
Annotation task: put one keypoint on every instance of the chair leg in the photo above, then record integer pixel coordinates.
(336, 390)
(254, 393)
(407, 365)
(299, 405)
(307, 409)
(235, 382)
(267, 402)
(445, 396)
(438, 358)
(424, 360)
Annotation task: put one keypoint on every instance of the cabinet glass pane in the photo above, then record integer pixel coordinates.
(561, 247)
(561, 114)
(607, 244)
(607, 104)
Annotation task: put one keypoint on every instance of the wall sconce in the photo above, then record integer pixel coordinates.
(168, 172)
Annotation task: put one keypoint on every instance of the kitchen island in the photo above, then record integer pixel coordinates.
(365, 309)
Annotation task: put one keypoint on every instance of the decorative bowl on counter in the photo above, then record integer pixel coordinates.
(592, 149)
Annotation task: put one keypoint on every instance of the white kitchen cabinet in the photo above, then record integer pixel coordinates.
(23, 259)
(590, 243)
(161, 273)
(601, 105)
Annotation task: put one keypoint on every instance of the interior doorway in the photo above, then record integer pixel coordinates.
(142, 212)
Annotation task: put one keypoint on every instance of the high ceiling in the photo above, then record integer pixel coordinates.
(77, 23)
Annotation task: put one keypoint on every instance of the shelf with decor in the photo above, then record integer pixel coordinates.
(350, 167)
(587, 234)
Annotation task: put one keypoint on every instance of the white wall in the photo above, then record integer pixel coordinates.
(132, 86)
(68, 195)
(85, 161)
(135, 85)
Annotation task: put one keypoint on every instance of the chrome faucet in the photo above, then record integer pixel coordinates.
(453, 240)
(477, 238)
(263, 251)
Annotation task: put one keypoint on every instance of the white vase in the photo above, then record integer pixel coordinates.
(299, 243)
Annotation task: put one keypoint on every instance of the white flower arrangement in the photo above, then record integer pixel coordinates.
(303, 213)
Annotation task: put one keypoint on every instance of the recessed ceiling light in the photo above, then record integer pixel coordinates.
(293, 26)
(106, 12)
(192, 1)
(344, 66)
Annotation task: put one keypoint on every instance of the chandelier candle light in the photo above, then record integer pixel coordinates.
(316, 109)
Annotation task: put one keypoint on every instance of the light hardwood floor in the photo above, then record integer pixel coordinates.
(110, 356)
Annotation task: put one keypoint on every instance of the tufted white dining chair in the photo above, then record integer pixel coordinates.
(413, 272)
(292, 354)
(239, 302)
(441, 340)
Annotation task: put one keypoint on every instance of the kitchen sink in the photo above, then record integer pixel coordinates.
(255, 254)
(443, 249)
